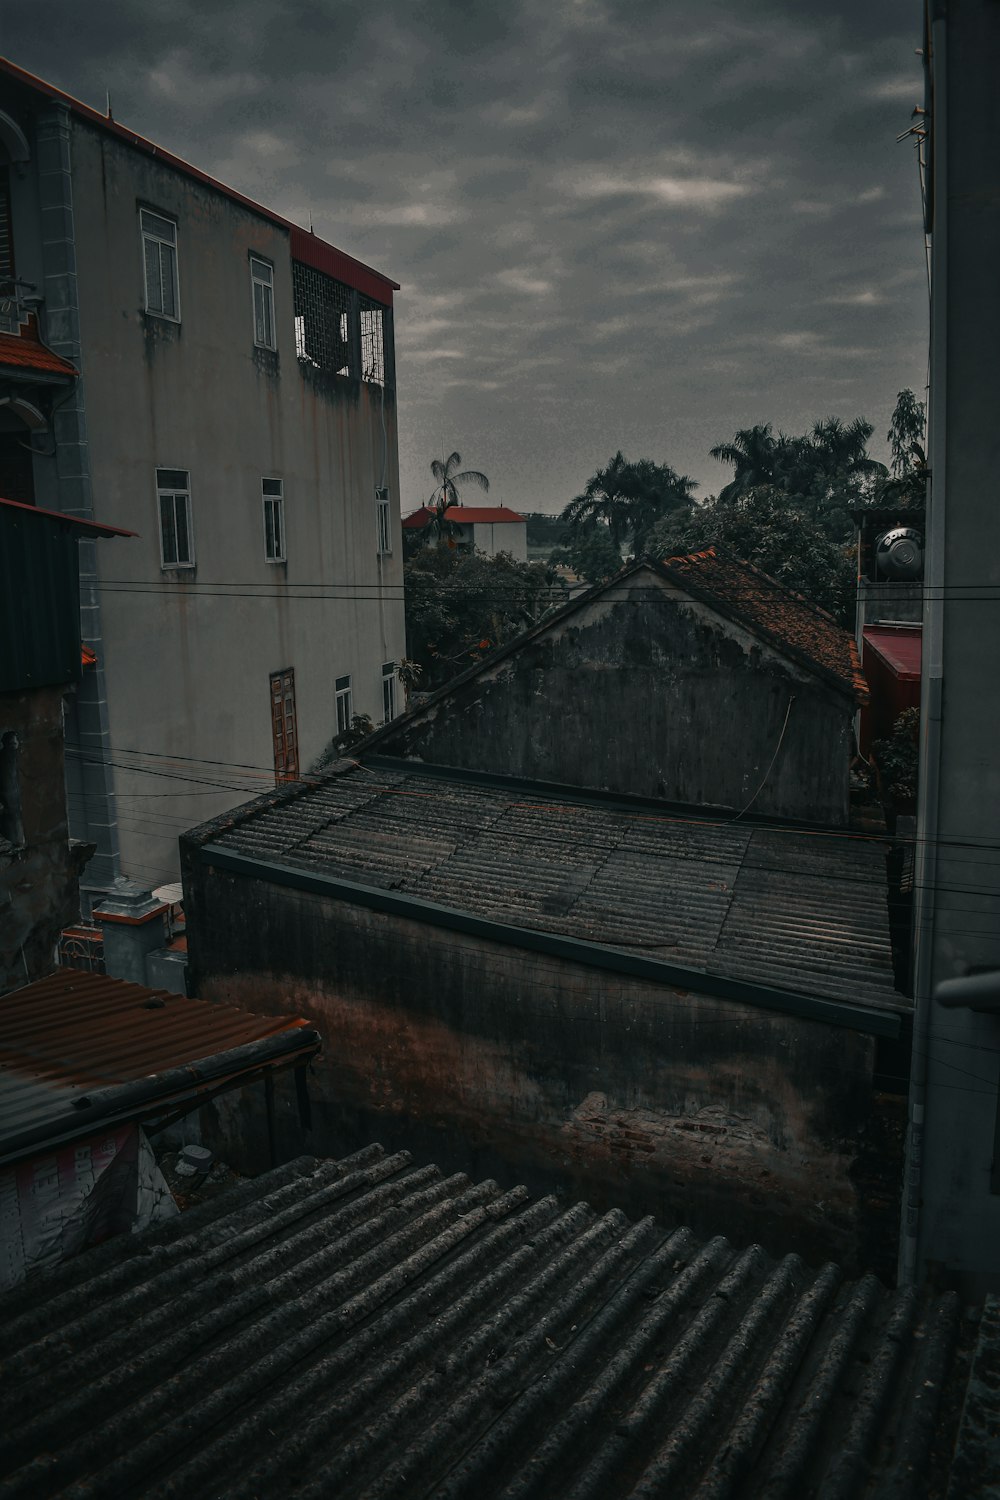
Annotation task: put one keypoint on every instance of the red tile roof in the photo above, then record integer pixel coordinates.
(779, 616)
(354, 272)
(26, 353)
(465, 515)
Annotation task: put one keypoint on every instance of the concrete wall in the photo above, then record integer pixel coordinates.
(494, 1060)
(185, 655)
(504, 536)
(650, 693)
(39, 872)
(952, 1224)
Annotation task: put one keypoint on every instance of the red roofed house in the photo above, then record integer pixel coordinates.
(698, 680)
(487, 528)
(221, 382)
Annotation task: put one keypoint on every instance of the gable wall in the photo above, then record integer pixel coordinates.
(649, 693)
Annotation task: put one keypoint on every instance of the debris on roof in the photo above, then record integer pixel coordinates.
(776, 905)
(770, 609)
(368, 1328)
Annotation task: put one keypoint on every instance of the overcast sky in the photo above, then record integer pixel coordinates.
(635, 225)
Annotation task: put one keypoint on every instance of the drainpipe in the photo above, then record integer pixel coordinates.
(925, 893)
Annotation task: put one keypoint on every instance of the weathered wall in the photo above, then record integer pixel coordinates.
(39, 873)
(491, 1059)
(653, 694)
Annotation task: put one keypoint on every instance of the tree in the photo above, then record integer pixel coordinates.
(752, 455)
(591, 555)
(762, 527)
(460, 606)
(628, 499)
(823, 472)
(906, 435)
(448, 481)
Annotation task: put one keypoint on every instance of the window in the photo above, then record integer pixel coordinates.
(283, 730)
(159, 258)
(388, 691)
(322, 310)
(384, 525)
(262, 286)
(274, 519)
(173, 493)
(342, 691)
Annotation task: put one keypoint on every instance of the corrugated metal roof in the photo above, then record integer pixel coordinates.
(368, 1329)
(806, 911)
(899, 646)
(72, 1043)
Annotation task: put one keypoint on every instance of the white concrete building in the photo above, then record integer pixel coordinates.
(485, 528)
(234, 405)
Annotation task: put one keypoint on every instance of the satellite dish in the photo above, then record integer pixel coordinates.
(900, 553)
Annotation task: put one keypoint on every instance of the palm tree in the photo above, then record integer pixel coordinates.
(628, 498)
(752, 454)
(448, 481)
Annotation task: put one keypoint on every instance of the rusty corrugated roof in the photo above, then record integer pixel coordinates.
(366, 1328)
(77, 1049)
(783, 618)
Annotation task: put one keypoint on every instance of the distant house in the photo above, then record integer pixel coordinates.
(487, 528)
(698, 680)
(41, 660)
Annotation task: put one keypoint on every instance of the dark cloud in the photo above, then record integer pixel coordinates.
(634, 225)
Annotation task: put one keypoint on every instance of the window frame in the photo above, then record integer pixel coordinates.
(343, 697)
(267, 299)
(388, 691)
(275, 503)
(150, 236)
(174, 493)
(383, 523)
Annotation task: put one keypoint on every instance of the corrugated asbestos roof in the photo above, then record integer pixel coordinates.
(77, 1049)
(781, 616)
(368, 1329)
(805, 911)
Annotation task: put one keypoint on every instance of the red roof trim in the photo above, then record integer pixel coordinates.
(353, 271)
(97, 527)
(898, 646)
(342, 267)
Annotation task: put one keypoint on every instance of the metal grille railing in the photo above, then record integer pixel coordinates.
(322, 320)
(372, 341)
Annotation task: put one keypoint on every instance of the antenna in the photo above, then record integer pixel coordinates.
(107, 93)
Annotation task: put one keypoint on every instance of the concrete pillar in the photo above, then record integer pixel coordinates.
(132, 922)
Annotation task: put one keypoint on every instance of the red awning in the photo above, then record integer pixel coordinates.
(898, 646)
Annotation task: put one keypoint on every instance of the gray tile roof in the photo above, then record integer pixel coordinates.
(371, 1329)
(778, 906)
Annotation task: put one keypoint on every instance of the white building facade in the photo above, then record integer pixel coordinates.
(235, 406)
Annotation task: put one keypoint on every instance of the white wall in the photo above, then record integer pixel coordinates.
(188, 653)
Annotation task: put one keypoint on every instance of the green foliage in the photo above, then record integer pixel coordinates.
(906, 434)
(764, 527)
(822, 473)
(898, 757)
(591, 555)
(628, 499)
(544, 530)
(462, 605)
